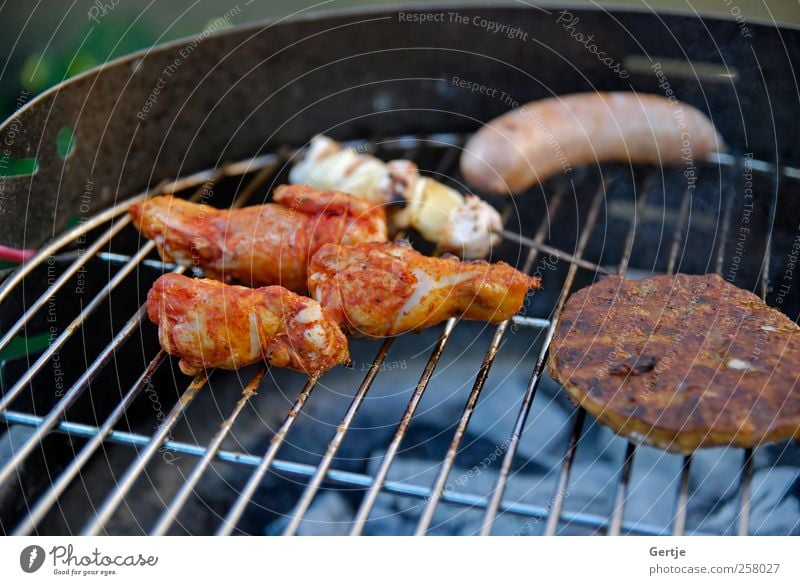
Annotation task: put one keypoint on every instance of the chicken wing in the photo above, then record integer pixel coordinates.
(210, 324)
(383, 289)
(262, 244)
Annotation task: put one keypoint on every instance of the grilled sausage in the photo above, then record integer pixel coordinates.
(534, 142)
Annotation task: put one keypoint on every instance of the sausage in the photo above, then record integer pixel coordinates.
(542, 138)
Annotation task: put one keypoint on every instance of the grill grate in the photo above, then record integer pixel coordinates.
(258, 171)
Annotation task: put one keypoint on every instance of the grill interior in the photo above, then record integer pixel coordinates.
(103, 434)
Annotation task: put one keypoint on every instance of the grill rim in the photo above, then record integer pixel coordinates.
(306, 17)
(311, 15)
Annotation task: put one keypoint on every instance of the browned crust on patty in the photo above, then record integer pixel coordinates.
(680, 362)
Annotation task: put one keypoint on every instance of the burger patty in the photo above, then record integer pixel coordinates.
(680, 362)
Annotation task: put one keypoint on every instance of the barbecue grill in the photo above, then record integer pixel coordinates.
(103, 434)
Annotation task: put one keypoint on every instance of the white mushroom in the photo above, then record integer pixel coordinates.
(471, 229)
(465, 226)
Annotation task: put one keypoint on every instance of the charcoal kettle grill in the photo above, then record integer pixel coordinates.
(452, 431)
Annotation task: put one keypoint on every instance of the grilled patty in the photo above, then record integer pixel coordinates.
(680, 362)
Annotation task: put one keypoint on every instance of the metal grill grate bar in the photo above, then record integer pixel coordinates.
(557, 502)
(773, 208)
(527, 400)
(533, 322)
(233, 516)
(131, 475)
(678, 236)
(114, 499)
(556, 252)
(116, 259)
(719, 264)
(170, 515)
(621, 495)
(641, 204)
(679, 526)
(682, 499)
(391, 451)
(333, 446)
(246, 495)
(745, 486)
(57, 488)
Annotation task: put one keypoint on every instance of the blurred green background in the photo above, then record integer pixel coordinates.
(44, 42)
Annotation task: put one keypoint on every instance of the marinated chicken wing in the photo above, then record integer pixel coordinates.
(262, 244)
(210, 324)
(680, 362)
(384, 289)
